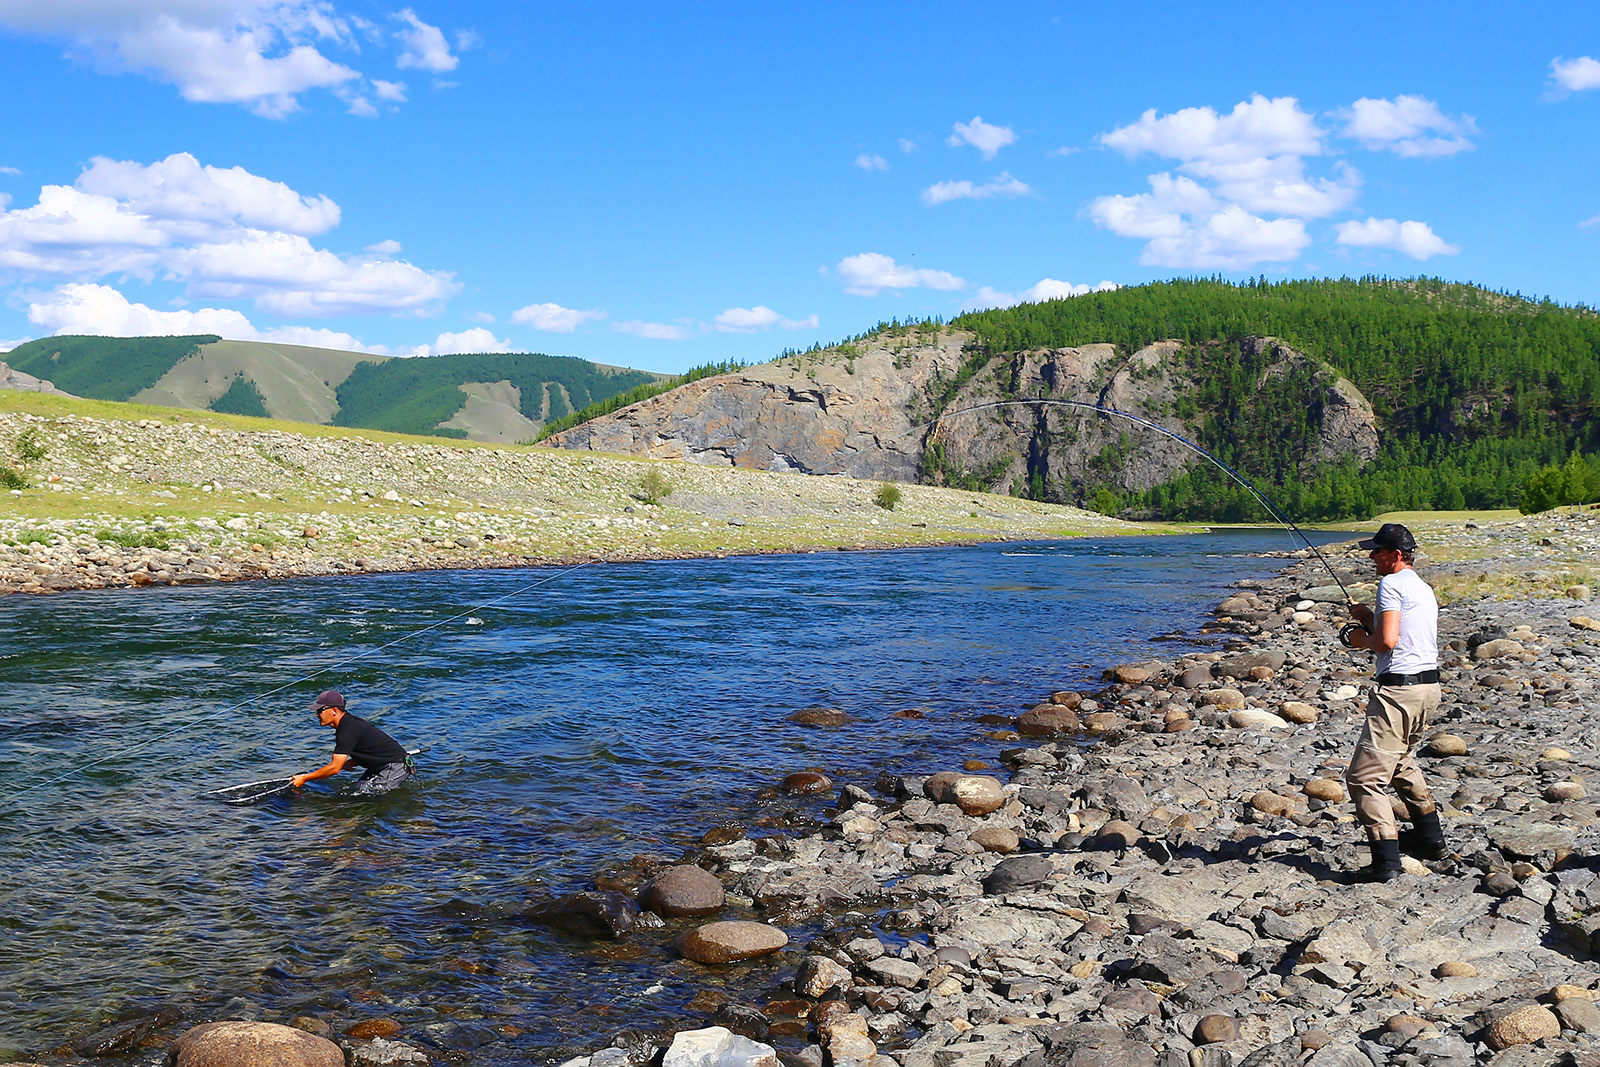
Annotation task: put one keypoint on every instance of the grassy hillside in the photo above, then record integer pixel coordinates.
(1474, 391)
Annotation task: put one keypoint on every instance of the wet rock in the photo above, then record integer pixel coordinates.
(818, 974)
(717, 1046)
(597, 913)
(250, 1044)
(806, 783)
(1523, 1026)
(818, 716)
(126, 1036)
(381, 1052)
(370, 1028)
(731, 941)
(311, 1025)
(683, 890)
(1047, 720)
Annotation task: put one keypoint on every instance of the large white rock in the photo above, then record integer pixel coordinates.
(717, 1046)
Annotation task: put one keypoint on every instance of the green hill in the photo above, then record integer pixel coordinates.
(499, 397)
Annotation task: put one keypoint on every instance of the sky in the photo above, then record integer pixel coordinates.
(664, 186)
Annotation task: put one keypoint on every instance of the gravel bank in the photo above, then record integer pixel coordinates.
(138, 501)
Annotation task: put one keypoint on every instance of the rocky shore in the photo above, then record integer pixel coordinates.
(114, 495)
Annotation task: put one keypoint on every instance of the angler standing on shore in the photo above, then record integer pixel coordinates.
(385, 761)
(1405, 692)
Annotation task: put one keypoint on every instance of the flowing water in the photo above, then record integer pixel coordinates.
(601, 713)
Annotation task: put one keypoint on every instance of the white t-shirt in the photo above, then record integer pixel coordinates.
(1418, 647)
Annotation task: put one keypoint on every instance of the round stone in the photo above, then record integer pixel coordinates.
(1271, 803)
(806, 782)
(1523, 1026)
(1129, 674)
(1299, 712)
(1555, 754)
(1455, 969)
(1119, 834)
(683, 890)
(1446, 745)
(248, 1044)
(1328, 790)
(940, 788)
(978, 794)
(1312, 1040)
(1556, 792)
(1102, 722)
(1223, 699)
(1407, 1025)
(367, 1029)
(1216, 1029)
(1248, 718)
(1048, 720)
(731, 941)
(996, 839)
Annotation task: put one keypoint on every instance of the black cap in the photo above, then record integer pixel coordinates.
(1390, 535)
(328, 698)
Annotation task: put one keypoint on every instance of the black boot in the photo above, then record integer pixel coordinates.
(1385, 865)
(1425, 839)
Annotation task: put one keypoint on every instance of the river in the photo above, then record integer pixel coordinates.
(571, 720)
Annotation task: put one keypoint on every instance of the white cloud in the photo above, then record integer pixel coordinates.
(223, 233)
(362, 108)
(1590, 223)
(13, 171)
(178, 189)
(388, 247)
(907, 145)
(868, 273)
(393, 92)
(1044, 289)
(101, 310)
(553, 318)
(1415, 239)
(1210, 144)
(760, 317)
(657, 331)
(871, 162)
(425, 46)
(476, 339)
(1158, 213)
(1575, 75)
(1409, 126)
(1002, 185)
(982, 136)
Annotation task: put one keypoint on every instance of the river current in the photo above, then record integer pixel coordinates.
(586, 717)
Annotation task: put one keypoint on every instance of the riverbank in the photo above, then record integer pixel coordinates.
(1179, 894)
(121, 495)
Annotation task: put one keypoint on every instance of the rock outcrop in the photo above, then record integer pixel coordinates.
(11, 378)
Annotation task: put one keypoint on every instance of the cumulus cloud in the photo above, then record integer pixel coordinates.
(760, 317)
(907, 145)
(1415, 239)
(260, 54)
(1002, 185)
(1044, 289)
(1407, 126)
(83, 308)
(1575, 75)
(658, 331)
(982, 136)
(1210, 144)
(424, 46)
(223, 233)
(867, 161)
(553, 318)
(869, 273)
(476, 339)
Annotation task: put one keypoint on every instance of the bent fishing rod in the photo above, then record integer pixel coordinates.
(1272, 508)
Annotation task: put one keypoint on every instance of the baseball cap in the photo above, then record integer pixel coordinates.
(328, 698)
(1389, 535)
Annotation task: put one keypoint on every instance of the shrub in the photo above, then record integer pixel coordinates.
(11, 478)
(29, 446)
(887, 496)
(134, 540)
(653, 487)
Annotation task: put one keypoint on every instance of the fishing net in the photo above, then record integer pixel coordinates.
(250, 792)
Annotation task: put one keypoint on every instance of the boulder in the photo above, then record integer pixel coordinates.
(844, 1034)
(1048, 720)
(1446, 745)
(996, 839)
(940, 788)
(818, 974)
(1018, 872)
(1247, 718)
(717, 1046)
(599, 913)
(805, 783)
(1119, 795)
(978, 794)
(1241, 666)
(1523, 1026)
(1494, 649)
(248, 1044)
(731, 941)
(1298, 712)
(1223, 699)
(819, 717)
(1328, 790)
(683, 890)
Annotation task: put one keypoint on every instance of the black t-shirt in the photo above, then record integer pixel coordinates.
(365, 744)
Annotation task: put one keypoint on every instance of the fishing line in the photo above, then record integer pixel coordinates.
(329, 669)
(1272, 508)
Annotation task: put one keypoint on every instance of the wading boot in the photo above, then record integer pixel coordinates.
(1425, 839)
(1385, 865)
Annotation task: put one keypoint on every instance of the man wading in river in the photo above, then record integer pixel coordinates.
(1404, 637)
(355, 740)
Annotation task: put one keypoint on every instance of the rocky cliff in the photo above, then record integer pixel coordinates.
(919, 404)
(11, 378)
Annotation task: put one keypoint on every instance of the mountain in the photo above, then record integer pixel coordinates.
(497, 397)
(1337, 398)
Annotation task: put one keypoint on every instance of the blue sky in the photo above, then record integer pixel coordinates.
(661, 186)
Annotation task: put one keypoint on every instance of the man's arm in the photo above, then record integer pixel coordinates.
(335, 765)
(1382, 637)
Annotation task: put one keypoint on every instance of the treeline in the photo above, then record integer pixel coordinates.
(104, 368)
(416, 395)
(1474, 391)
(637, 394)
